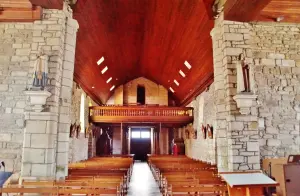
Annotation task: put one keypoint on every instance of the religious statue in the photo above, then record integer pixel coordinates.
(72, 130)
(203, 131)
(243, 80)
(209, 130)
(40, 75)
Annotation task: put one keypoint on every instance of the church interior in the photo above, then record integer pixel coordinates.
(150, 97)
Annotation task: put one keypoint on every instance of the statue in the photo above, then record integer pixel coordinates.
(243, 80)
(40, 75)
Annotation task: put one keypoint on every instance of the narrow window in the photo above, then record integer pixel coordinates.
(141, 97)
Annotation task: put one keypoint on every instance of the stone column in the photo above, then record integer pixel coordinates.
(39, 147)
(65, 97)
(236, 134)
(46, 143)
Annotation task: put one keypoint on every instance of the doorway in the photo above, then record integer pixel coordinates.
(140, 143)
(141, 95)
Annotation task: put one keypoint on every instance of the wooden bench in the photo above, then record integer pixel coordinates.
(179, 175)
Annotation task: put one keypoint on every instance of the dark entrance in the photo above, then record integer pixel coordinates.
(140, 143)
(141, 95)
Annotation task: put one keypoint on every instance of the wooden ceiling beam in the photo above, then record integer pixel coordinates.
(49, 4)
(244, 10)
(21, 14)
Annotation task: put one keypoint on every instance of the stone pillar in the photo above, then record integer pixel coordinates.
(66, 97)
(236, 134)
(39, 146)
(46, 146)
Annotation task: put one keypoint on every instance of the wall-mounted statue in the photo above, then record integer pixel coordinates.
(72, 130)
(203, 129)
(78, 129)
(209, 130)
(243, 75)
(40, 75)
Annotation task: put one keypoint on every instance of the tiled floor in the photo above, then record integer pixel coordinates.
(142, 182)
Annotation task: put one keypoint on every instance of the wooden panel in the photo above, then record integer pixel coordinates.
(49, 4)
(289, 9)
(144, 38)
(20, 14)
(15, 4)
(244, 10)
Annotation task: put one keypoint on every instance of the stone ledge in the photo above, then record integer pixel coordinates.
(41, 116)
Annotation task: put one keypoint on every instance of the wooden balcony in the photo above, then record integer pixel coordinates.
(141, 114)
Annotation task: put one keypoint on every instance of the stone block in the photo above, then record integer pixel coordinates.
(23, 52)
(276, 56)
(42, 141)
(63, 146)
(238, 159)
(236, 126)
(268, 62)
(42, 170)
(233, 51)
(253, 159)
(26, 170)
(50, 156)
(51, 127)
(53, 41)
(273, 142)
(33, 126)
(5, 137)
(288, 63)
(31, 155)
(252, 146)
(62, 158)
(233, 36)
(63, 137)
(3, 87)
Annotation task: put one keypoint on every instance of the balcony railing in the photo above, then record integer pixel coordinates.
(118, 114)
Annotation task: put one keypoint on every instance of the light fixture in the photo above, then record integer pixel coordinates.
(112, 88)
(104, 70)
(172, 90)
(181, 73)
(93, 87)
(280, 18)
(187, 65)
(177, 83)
(100, 60)
(109, 79)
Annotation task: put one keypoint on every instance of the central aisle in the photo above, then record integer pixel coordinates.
(142, 182)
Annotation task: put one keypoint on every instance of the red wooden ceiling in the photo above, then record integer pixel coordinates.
(262, 10)
(143, 38)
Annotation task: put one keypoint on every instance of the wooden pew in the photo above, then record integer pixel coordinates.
(179, 175)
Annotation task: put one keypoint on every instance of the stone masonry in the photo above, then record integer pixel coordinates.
(45, 137)
(271, 129)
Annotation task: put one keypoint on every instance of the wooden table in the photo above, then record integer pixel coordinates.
(247, 184)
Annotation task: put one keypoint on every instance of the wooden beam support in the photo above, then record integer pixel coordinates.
(244, 10)
(49, 4)
(21, 14)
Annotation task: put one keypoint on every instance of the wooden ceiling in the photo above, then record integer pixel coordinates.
(262, 10)
(143, 38)
(153, 38)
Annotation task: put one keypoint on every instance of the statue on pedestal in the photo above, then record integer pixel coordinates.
(40, 75)
(243, 80)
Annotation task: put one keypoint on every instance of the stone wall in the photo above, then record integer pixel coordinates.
(78, 147)
(20, 45)
(15, 47)
(204, 113)
(270, 126)
(116, 141)
(127, 93)
(276, 59)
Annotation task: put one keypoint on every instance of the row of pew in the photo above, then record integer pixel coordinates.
(95, 176)
(179, 175)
